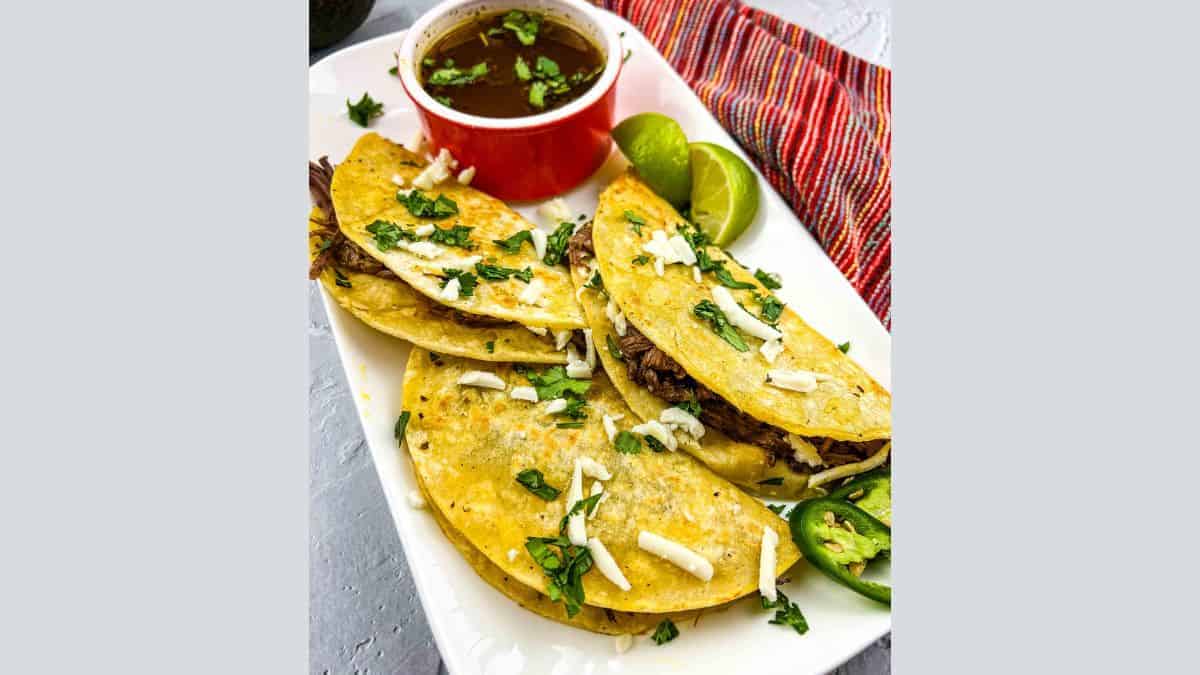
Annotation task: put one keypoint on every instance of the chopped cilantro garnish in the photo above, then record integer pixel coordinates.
(596, 283)
(778, 480)
(340, 279)
(787, 613)
(388, 235)
(726, 278)
(537, 94)
(844, 347)
(585, 505)
(613, 348)
(767, 279)
(627, 443)
(497, 273)
(459, 235)
(490, 345)
(466, 281)
(457, 77)
(772, 308)
(720, 324)
(547, 68)
(554, 383)
(569, 425)
(513, 244)
(635, 221)
(628, 53)
(401, 426)
(535, 482)
(435, 358)
(364, 111)
(641, 260)
(665, 632)
(524, 25)
(691, 407)
(394, 70)
(521, 69)
(556, 243)
(655, 444)
(564, 573)
(777, 509)
(445, 100)
(422, 206)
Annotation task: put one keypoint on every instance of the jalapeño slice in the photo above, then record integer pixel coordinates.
(871, 492)
(839, 538)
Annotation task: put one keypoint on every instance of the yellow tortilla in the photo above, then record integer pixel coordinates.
(852, 406)
(468, 444)
(363, 192)
(741, 463)
(595, 619)
(391, 306)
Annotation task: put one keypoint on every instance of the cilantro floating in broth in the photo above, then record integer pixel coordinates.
(445, 100)
(720, 325)
(533, 481)
(364, 111)
(547, 68)
(456, 77)
(524, 25)
(521, 69)
(537, 94)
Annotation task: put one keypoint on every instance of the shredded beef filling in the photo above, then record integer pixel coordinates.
(345, 254)
(579, 246)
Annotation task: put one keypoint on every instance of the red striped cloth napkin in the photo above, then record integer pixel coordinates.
(816, 120)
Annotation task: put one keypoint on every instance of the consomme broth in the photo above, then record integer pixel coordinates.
(510, 65)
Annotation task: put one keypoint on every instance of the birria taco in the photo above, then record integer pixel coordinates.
(700, 346)
(656, 533)
(459, 318)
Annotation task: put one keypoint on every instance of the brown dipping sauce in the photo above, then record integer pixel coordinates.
(510, 65)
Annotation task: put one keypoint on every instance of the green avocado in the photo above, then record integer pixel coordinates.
(331, 20)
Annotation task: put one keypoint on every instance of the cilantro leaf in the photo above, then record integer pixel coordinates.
(596, 283)
(691, 407)
(457, 77)
(364, 111)
(445, 100)
(554, 383)
(777, 509)
(787, 614)
(513, 244)
(535, 482)
(521, 69)
(401, 426)
(547, 68)
(778, 480)
(556, 243)
(388, 235)
(627, 443)
(613, 348)
(767, 279)
(641, 260)
(585, 505)
(635, 221)
(844, 347)
(564, 574)
(720, 325)
(665, 632)
(772, 308)
(340, 279)
(524, 25)
(459, 236)
(490, 345)
(655, 444)
(422, 206)
(498, 273)
(466, 281)
(537, 94)
(726, 278)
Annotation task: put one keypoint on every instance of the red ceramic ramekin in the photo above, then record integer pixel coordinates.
(519, 158)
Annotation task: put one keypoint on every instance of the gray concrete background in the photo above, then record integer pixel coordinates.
(364, 614)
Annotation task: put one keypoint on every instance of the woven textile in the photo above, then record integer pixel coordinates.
(815, 119)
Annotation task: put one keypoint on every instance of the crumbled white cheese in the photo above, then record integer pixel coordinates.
(617, 317)
(624, 642)
(481, 378)
(661, 247)
(676, 554)
(741, 318)
(424, 230)
(696, 274)
(610, 427)
(771, 349)
(803, 381)
(531, 292)
(512, 554)
(660, 268)
(417, 143)
(415, 500)
(579, 370)
(424, 249)
(539, 242)
(678, 417)
(404, 192)
(561, 338)
(576, 530)
(607, 565)
(555, 211)
(597, 489)
(437, 171)
(466, 175)
(524, 394)
(556, 406)
(450, 290)
(683, 250)
(594, 469)
(766, 564)
(803, 451)
(590, 351)
(658, 431)
(572, 353)
(398, 179)
(445, 156)
(538, 330)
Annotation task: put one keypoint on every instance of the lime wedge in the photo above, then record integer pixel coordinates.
(657, 147)
(724, 193)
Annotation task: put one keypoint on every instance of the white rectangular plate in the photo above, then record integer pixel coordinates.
(477, 629)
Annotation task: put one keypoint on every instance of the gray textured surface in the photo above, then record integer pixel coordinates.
(364, 614)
